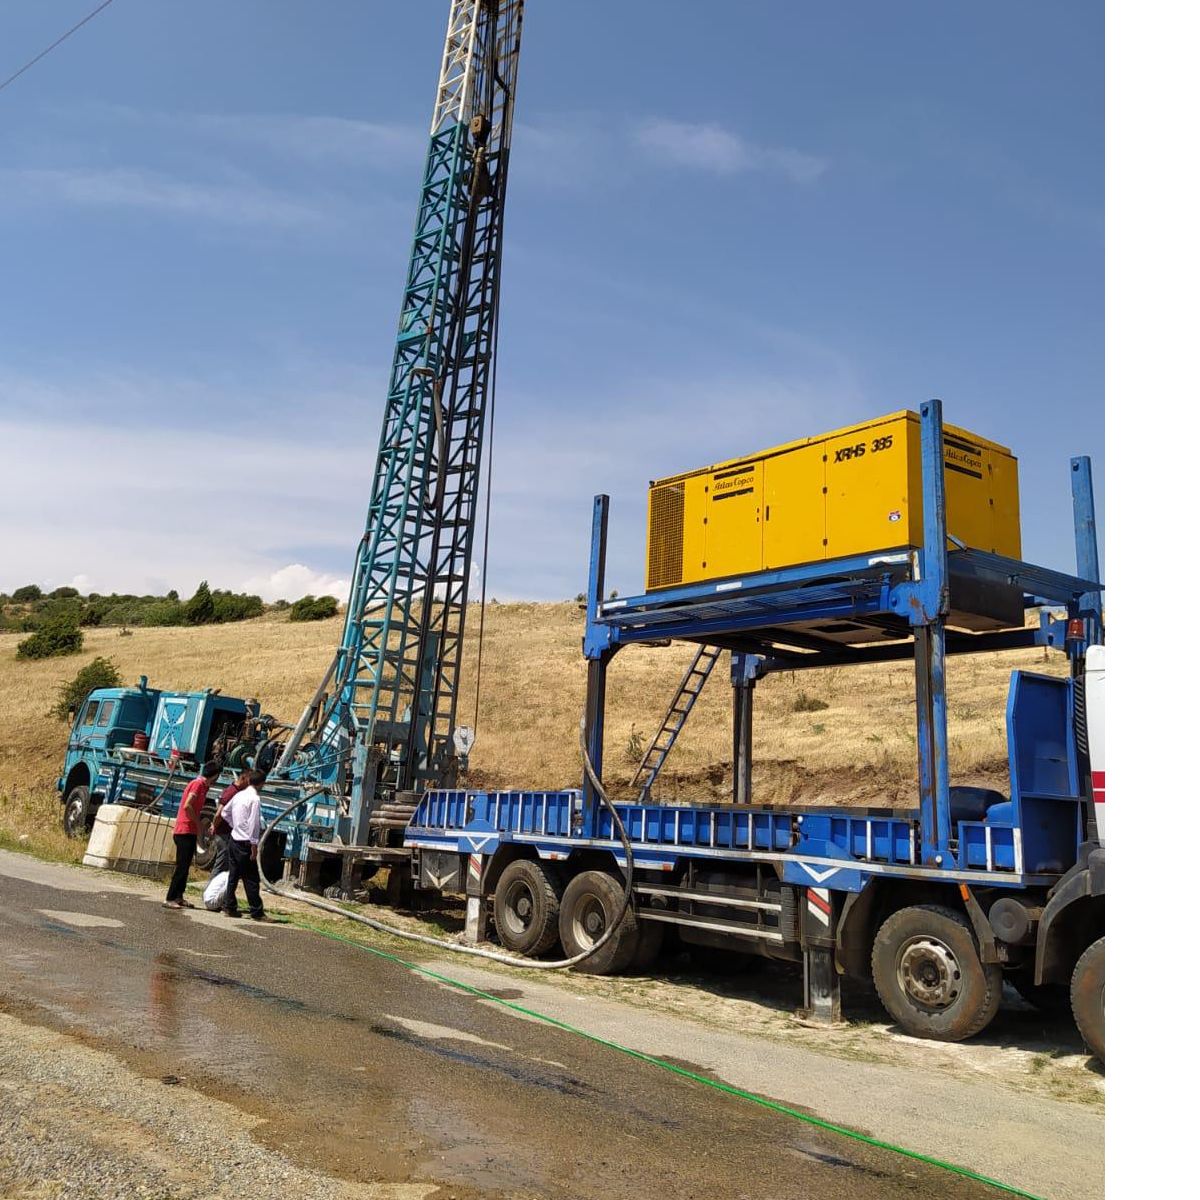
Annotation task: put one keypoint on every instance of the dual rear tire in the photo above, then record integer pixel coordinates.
(533, 910)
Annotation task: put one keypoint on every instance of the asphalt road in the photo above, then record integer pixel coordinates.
(354, 1067)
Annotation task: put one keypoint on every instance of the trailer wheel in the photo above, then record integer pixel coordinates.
(526, 906)
(929, 976)
(77, 815)
(1087, 996)
(589, 904)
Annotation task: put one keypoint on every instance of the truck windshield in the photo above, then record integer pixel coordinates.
(106, 710)
(89, 713)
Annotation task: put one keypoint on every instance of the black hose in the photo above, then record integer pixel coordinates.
(527, 964)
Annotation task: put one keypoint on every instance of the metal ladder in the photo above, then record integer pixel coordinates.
(690, 686)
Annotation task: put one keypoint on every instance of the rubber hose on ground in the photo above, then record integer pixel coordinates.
(527, 964)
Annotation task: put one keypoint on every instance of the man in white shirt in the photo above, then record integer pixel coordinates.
(243, 815)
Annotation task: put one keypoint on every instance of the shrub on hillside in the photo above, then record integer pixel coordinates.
(235, 606)
(57, 635)
(199, 609)
(162, 612)
(27, 594)
(99, 673)
(314, 608)
(65, 593)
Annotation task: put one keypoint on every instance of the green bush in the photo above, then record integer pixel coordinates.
(161, 612)
(205, 607)
(235, 606)
(314, 608)
(806, 703)
(99, 673)
(57, 635)
(200, 609)
(27, 594)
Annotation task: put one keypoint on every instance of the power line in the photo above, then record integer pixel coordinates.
(78, 25)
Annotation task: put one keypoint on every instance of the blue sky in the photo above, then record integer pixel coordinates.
(728, 226)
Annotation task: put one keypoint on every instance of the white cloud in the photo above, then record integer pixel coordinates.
(232, 201)
(714, 148)
(315, 138)
(136, 509)
(296, 580)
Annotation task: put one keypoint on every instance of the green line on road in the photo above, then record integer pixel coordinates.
(741, 1094)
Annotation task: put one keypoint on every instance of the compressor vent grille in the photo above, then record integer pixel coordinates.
(665, 560)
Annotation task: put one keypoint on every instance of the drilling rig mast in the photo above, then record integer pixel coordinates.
(382, 723)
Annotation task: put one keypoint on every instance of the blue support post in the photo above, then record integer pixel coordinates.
(743, 670)
(1087, 553)
(596, 647)
(933, 591)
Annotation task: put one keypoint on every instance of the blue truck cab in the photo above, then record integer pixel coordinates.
(117, 729)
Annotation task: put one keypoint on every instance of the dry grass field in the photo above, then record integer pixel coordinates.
(858, 749)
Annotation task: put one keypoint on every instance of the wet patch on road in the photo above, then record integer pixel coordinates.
(82, 920)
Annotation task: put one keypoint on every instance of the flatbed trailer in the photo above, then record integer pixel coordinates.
(936, 904)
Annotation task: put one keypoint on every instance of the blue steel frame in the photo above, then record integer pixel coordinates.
(835, 848)
(744, 614)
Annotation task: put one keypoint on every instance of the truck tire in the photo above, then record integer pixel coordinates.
(929, 976)
(206, 846)
(1087, 997)
(526, 905)
(77, 811)
(591, 901)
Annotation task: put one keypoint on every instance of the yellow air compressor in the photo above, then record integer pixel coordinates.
(851, 492)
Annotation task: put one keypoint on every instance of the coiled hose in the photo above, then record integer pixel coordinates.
(527, 964)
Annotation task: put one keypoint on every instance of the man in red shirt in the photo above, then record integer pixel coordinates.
(187, 826)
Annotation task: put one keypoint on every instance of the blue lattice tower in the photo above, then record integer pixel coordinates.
(385, 718)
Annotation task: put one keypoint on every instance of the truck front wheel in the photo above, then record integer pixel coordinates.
(526, 906)
(77, 811)
(1087, 996)
(929, 976)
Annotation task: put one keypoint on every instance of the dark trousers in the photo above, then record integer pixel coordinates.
(185, 851)
(243, 869)
(220, 860)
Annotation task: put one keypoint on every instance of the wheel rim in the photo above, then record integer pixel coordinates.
(928, 973)
(75, 818)
(519, 907)
(589, 921)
